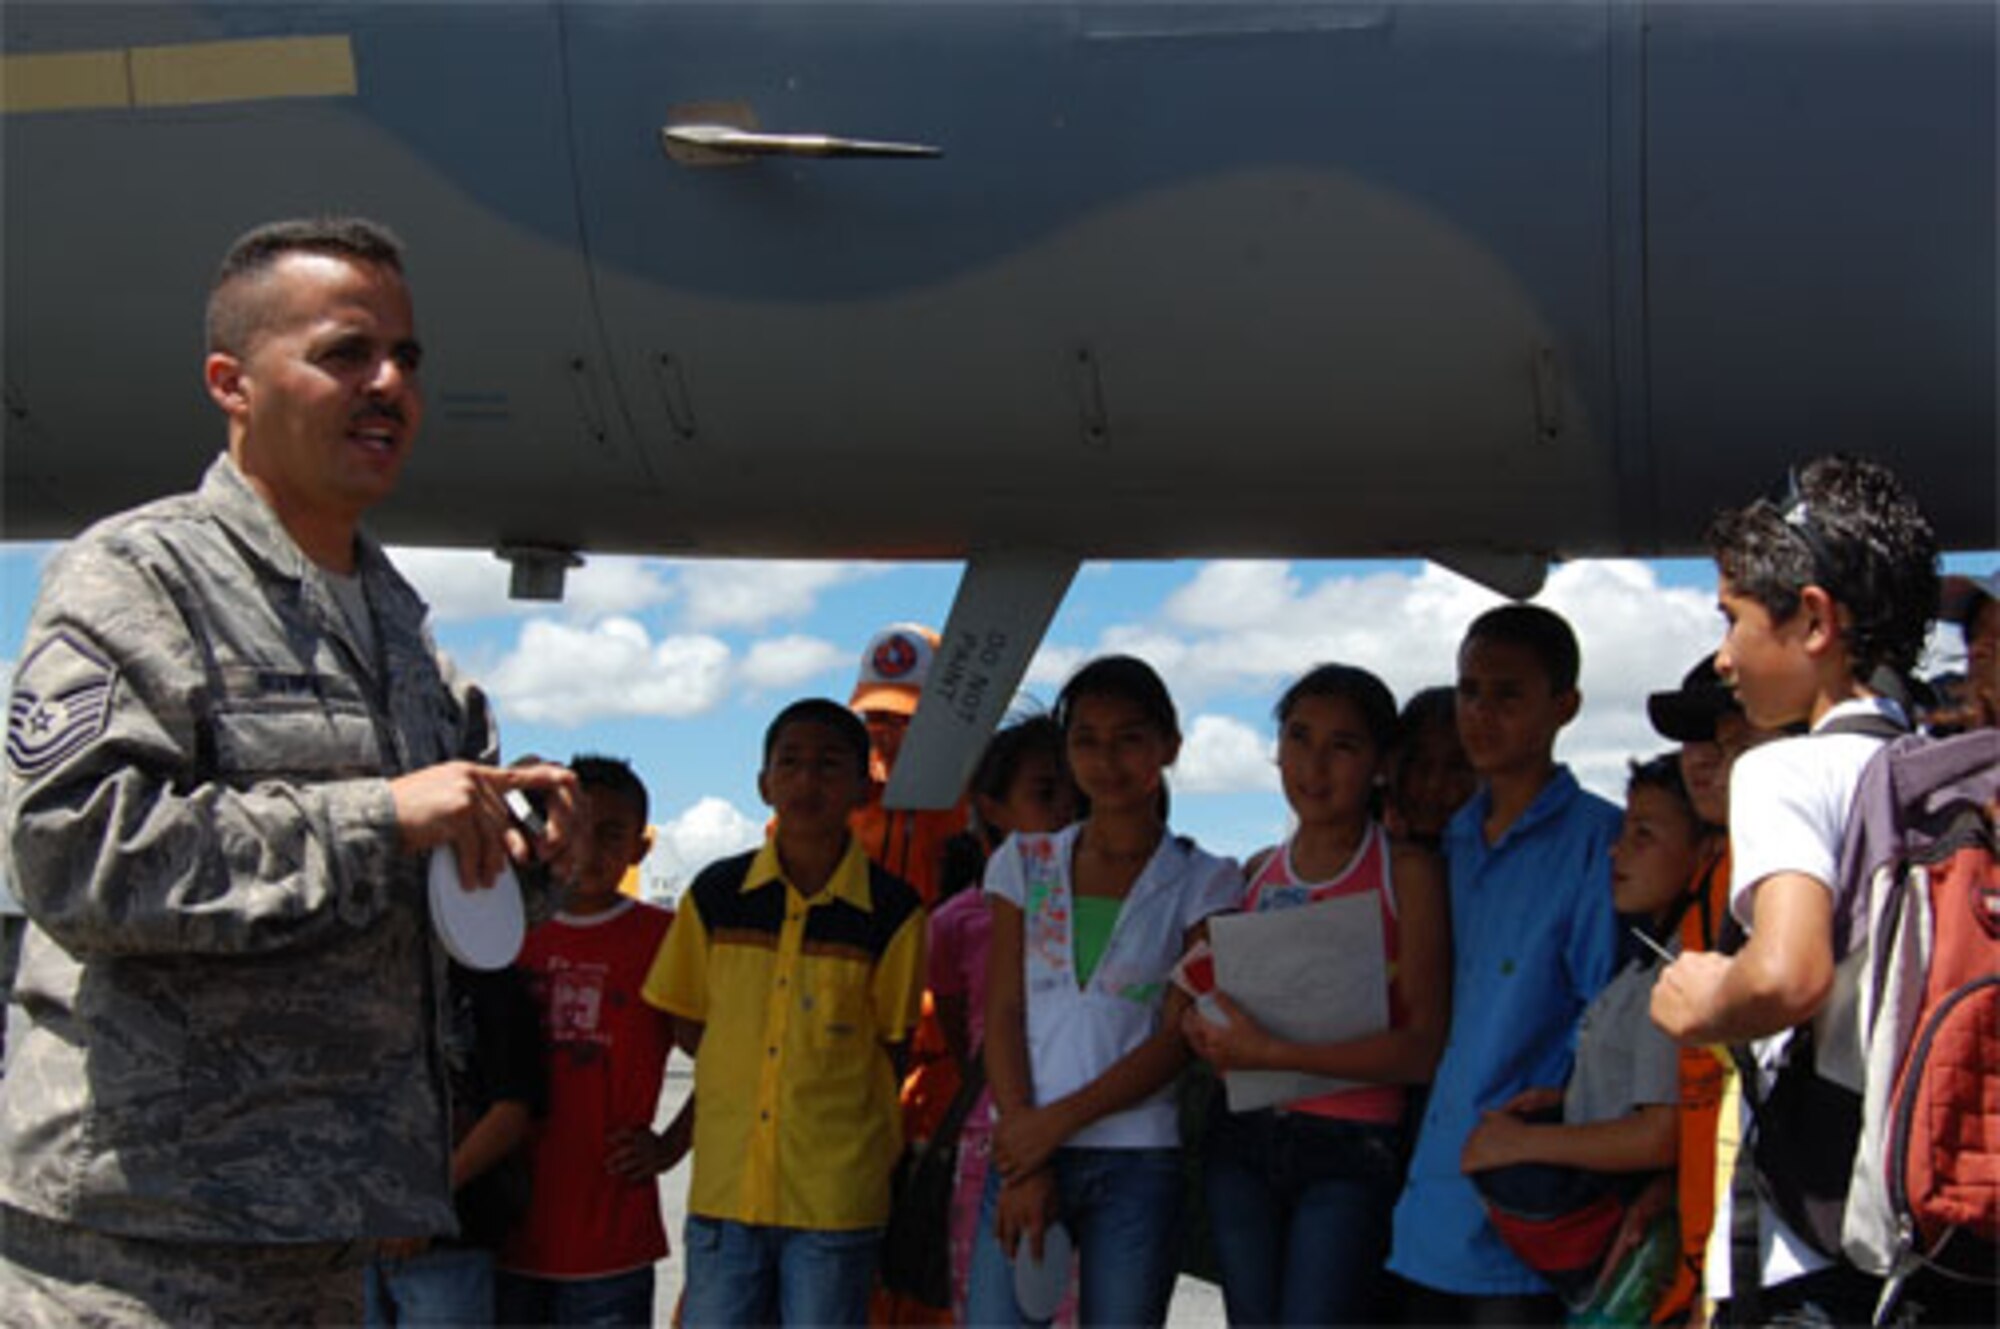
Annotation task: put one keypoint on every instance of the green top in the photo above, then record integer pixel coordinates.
(1090, 929)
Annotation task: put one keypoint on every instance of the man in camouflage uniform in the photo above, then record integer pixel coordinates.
(231, 747)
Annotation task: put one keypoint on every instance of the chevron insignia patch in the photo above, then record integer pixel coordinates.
(61, 702)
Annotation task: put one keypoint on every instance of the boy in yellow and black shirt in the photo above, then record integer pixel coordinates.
(796, 972)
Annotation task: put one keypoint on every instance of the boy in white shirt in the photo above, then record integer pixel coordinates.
(1828, 594)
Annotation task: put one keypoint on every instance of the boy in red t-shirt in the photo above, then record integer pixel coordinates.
(584, 1254)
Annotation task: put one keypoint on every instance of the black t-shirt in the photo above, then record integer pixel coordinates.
(493, 1054)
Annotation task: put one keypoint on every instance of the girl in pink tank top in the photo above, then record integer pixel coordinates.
(1299, 1196)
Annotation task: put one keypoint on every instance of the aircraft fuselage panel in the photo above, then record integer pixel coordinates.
(1313, 279)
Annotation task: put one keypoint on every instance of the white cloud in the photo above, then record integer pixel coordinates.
(1228, 640)
(1050, 668)
(459, 584)
(614, 585)
(465, 584)
(1221, 755)
(1233, 593)
(725, 594)
(784, 663)
(565, 674)
(1241, 630)
(711, 828)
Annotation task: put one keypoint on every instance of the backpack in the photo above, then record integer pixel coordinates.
(914, 1259)
(1803, 1131)
(1920, 884)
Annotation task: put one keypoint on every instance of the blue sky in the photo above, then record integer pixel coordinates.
(678, 664)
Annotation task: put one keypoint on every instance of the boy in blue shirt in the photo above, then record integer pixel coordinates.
(1533, 940)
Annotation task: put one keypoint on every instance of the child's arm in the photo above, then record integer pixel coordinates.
(1778, 980)
(1405, 1055)
(687, 1034)
(1025, 1138)
(495, 1135)
(640, 1155)
(1007, 1014)
(1027, 1200)
(1643, 1140)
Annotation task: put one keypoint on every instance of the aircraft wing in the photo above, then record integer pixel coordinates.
(1477, 280)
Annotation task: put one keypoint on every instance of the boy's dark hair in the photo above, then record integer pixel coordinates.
(1368, 694)
(828, 714)
(1542, 631)
(1432, 706)
(612, 775)
(235, 315)
(1662, 772)
(1848, 526)
(1127, 678)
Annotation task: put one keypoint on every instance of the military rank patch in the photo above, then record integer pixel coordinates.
(61, 701)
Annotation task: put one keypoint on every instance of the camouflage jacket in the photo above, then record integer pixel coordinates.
(228, 1005)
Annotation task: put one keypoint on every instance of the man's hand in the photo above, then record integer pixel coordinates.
(462, 804)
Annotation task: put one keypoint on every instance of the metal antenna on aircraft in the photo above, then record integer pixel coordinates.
(538, 570)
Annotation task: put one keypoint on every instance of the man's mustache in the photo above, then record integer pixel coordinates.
(380, 411)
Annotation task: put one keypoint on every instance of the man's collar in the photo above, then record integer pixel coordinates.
(249, 518)
(243, 511)
(848, 883)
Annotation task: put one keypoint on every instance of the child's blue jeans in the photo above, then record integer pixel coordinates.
(1122, 1208)
(742, 1273)
(1298, 1210)
(606, 1300)
(447, 1285)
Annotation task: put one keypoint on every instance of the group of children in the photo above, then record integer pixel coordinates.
(1556, 970)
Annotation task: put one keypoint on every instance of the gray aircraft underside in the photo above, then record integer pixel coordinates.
(1035, 282)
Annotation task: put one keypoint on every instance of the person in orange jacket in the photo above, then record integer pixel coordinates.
(908, 842)
(911, 844)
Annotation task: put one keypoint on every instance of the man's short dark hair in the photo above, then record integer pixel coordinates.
(1848, 526)
(611, 775)
(828, 714)
(236, 315)
(1542, 631)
